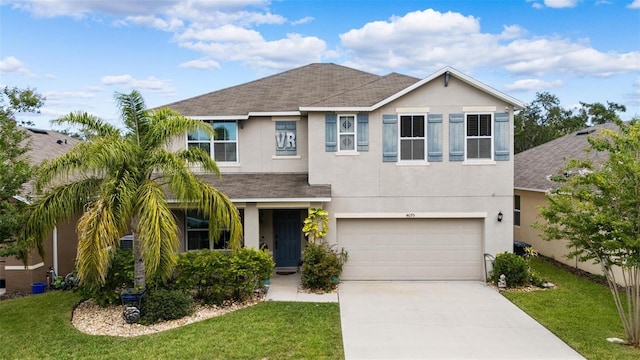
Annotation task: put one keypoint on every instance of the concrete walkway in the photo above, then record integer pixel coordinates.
(286, 288)
(440, 320)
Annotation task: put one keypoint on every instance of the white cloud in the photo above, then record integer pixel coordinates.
(424, 41)
(533, 85)
(226, 33)
(537, 5)
(635, 4)
(251, 48)
(129, 82)
(304, 20)
(200, 64)
(557, 4)
(11, 65)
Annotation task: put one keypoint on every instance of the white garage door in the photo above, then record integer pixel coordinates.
(411, 249)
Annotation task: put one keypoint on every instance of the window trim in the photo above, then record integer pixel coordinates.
(491, 137)
(212, 142)
(290, 156)
(426, 136)
(354, 133)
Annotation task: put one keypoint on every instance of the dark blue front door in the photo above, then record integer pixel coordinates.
(287, 227)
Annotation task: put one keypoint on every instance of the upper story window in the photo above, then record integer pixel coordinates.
(224, 146)
(347, 132)
(516, 210)
(478, 136)
(412, 137)
(286, 138)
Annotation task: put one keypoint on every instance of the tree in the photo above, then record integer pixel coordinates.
(119, 180)
(15, 169)
(543, 120)
(597, 210)
(20, 100)
(597, 113)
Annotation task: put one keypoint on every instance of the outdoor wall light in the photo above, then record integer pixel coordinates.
(500, 216)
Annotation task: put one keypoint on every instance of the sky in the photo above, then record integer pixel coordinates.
(79, 53)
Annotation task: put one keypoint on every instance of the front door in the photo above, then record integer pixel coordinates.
(287, 227)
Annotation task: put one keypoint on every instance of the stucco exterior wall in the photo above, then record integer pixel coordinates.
(362, 183)
(19, 278)
(530, 202)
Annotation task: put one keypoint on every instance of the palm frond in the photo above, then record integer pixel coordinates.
(133, 112)
(167, 124)
(61, 203)
(89, 125)
(92, 158)
(157, 230)
(222, 214)
(97, 233)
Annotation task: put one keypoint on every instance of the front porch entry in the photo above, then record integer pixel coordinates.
(287, 237)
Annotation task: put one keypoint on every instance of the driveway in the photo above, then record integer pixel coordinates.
(440, 320)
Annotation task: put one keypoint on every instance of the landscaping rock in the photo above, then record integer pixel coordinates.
(90, 318)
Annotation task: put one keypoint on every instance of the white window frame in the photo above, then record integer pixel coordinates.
(353, 133)
(424, 124)
(212, 142)
(466, 137)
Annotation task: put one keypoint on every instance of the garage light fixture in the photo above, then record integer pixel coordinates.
(500, 216)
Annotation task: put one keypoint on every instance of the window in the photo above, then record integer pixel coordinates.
(478, 136)
(516, 210)
(225, 145)
(347, 132)
(412, 137)
(286, 138)
(198, 232)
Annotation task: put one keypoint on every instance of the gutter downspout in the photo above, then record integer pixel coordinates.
(55, 250)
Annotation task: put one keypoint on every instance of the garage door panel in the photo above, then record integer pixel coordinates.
(411, 249)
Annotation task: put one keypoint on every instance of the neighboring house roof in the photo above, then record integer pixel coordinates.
(45, 144)
(268, 187)
(315, 87)
(532, 167)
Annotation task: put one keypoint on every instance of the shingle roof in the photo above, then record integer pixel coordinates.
(286, 91)
(251, 186)
(533, 166)
(45, 144)
(370, 93)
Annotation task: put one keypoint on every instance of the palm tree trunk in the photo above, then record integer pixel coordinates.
(139, 275)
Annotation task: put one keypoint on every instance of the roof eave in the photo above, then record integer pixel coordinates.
(337, 108)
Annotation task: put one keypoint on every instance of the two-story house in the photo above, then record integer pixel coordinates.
(417, 175)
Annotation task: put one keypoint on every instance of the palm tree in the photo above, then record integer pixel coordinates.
(119, 181)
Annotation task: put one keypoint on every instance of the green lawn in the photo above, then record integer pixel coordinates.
(39, 327)
(580, 312)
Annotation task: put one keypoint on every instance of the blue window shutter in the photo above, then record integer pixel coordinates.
(434, 141)
(389, 138)
(331, 132)
(456, 137)
(363, 132)
(501, 136)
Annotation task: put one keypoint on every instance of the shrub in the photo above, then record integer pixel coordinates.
(215, 276)
(163, 304)
(513, 267)
(119, 276)
(321, 266)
